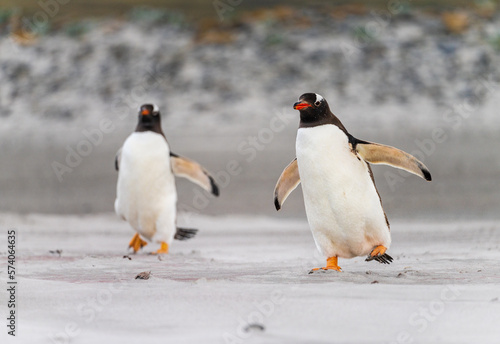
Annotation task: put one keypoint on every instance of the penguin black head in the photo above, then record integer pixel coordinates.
(314, 111)
(149, 119)
(312, 107)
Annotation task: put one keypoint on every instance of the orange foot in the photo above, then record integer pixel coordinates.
(163, 249)
(137, 243)
(378, 251)
(378, 254)
(331, 264)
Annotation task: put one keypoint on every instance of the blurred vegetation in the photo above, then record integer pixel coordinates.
(6, 14)
(363, 35)
(213, 23)
(198, 9)
(77, 28)
(149, 15)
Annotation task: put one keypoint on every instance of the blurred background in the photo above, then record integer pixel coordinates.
(419, 75)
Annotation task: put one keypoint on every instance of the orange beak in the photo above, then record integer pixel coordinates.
(299, 106)
(145, 112)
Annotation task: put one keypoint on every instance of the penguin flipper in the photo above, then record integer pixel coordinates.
(193, 172)
(287, 182)
(185, 233)
(375, 153)
(117, 159)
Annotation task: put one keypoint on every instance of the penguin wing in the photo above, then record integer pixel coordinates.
(117, 159)
(194, 172)
(375, 153)
(287, 182)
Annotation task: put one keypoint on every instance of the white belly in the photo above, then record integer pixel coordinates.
(342, 205)
(146, 193)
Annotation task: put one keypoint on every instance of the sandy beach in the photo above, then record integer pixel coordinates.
(245, 280)
(225, 86)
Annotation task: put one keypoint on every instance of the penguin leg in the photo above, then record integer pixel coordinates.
(331, 264)
(378, 254)
(163, 249)
(137, 243)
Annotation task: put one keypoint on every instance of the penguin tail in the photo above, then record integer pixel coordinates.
(185, 233)
(383, 259)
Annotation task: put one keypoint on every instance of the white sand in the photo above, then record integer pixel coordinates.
(443, 286)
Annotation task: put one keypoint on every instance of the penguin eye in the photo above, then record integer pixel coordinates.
(317, 103)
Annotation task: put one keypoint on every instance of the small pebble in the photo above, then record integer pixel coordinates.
(58, 252)
(143, 275)
(255, 327)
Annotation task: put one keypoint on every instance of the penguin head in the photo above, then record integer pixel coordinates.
(312, 107)
(149, 117)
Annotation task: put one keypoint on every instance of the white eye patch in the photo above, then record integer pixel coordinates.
(318, 97)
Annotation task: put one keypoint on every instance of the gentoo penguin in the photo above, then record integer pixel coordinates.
(343, 207)
(146, 196)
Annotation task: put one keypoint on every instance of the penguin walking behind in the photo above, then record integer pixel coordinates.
(146, 196)
(342, 203)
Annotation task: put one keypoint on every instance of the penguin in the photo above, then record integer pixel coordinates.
(343, 207)
(146, 195)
